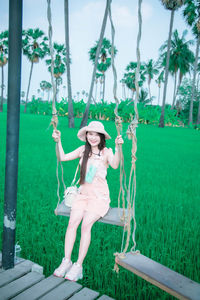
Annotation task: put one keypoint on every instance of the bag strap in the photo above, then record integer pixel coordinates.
(73, 181)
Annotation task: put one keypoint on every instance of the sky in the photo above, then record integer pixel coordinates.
(85, 19)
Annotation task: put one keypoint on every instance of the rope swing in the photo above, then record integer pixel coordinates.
(54, 119)
(129, 192)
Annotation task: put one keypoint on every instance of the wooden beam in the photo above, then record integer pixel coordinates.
(166, 279)
(112, 217)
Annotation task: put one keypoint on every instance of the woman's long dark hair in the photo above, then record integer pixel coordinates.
(88, 153)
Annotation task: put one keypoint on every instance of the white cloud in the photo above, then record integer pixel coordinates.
(147, 11)
(123, 17)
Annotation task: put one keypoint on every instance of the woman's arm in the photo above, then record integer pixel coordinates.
(59, 149)
(113, 159)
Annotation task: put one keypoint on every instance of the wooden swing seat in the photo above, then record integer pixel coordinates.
(113, 216)
(166, 279)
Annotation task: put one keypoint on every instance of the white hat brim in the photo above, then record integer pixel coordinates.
(82, 133)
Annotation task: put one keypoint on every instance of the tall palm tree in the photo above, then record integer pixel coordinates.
(85, 116)
(69, 86)
(171, 5)
(192, 15)
(198, 112)
(123, 89)
(159, 81)
(3, 61)
(35, 48)
(104, 60)
(151, 70)
(97, 77)
(181, 58)
(59, 63)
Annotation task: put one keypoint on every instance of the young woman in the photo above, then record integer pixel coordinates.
(92, 201)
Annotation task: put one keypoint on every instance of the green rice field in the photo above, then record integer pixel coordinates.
(167, 204)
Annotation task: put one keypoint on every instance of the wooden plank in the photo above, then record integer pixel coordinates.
(16, 272)
(85, 294)
(40, 289)
(19, 260)
(161, 276)
(17, 286)
(112, 217)
(104, 297)
(63, 291)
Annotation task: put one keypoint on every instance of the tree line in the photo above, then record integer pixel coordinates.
(175, 57)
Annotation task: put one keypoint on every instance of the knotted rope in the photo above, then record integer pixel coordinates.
(118, 124)
(131, 132)
(54, 119)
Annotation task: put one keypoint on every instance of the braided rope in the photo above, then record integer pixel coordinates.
(131, 132)
(118, 124)
(54, 119)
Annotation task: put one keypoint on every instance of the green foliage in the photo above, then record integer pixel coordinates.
(34, 44)
(3, 47)
(130, 75)
(184, 98)
(148, 114)
(104, 60)
(59, 60)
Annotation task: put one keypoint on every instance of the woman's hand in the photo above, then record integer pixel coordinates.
(56, 135)
(119, 140)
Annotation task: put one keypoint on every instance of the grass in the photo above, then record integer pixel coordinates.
(167, 204)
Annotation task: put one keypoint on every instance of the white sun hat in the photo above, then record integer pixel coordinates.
(95, 126)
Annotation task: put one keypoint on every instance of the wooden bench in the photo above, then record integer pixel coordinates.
(113, 216)
(166, 279)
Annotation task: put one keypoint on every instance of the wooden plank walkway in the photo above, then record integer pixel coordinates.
(113, 216)
(27, 282)
(166, 279)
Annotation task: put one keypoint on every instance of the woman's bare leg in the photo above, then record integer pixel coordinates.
(70, 236)
(88, 220)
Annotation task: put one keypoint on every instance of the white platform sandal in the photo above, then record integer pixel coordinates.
(64, 267)
(75, 273)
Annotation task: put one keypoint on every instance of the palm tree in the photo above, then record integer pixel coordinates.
(198, 112)
(69, 87)
(181, 58)
(85, 116)
(171, 5)
(192, 15)
(143, 97)
(129, 76)
(160, 80)
(3, 60)
(104, 60)
(59, 63)
(123, 89)
(35, 48)
(151, 70)
(22, 95)
(97, 79)
(45, 86)
(38, 92)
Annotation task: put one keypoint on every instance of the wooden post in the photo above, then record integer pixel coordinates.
(12, 142)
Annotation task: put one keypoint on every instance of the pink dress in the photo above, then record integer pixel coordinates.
(94, 195)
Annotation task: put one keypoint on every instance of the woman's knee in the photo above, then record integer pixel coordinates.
(88, 222)
(75, 220)
(86, 227)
